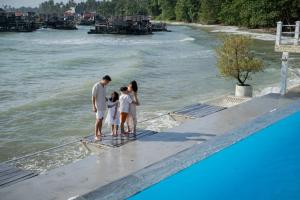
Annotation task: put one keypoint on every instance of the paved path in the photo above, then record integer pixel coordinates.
(95, 171)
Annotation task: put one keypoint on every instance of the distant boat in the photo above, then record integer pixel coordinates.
(66, 23)
(134, 25)
(159, 27)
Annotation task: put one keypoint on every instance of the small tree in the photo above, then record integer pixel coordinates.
(235, 59)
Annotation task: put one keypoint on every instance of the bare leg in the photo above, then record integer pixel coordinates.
(123, 118)
(113, 130)
(128, 124)
(134, 125)
(122, 128)
(98, 128)
(134, 129)
(116, 127)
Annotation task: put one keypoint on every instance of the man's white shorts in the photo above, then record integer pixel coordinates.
(100, 114)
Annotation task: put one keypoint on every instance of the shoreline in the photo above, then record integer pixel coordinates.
(259, 34)
(200, 137)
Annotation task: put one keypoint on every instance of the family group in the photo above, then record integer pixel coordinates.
(121, 108)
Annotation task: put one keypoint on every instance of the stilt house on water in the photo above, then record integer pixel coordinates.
(136, 25)
(65, 22)
(88, 19)
(17, 22)
(62, 23)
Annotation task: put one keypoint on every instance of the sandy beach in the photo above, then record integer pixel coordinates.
(260, 34)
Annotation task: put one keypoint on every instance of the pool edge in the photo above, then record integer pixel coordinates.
(134, 183)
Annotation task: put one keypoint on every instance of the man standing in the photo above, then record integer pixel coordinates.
(99, 104)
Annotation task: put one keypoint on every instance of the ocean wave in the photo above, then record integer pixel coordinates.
(267, 90)
(294, 77)
(271, 69)
(187, 39)
(54, 159)
(106, 40)
(63, 42)
(8, 49)
(50, 160)
(292, 81)
(158, 124)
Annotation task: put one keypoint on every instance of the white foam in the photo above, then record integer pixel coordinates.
(109, 41)
(293, 81)
(230, 29)
(237, 31)
(267, 90)
(74, 197)
(187, 39)
(158, 124)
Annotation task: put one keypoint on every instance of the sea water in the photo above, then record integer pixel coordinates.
(46, 79)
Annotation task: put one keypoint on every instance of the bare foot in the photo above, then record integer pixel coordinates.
(97, 138)
(125, 134)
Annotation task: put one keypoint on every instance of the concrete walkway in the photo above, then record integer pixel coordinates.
(93, 172)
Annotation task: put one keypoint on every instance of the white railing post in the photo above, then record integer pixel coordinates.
(283, 72)
(278, 33)
(297, 31)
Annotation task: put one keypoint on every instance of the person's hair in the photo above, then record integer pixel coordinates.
(114, 97)
(106, 77)
(123, 89)
(134, 86)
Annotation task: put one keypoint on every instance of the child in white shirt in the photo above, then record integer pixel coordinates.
(113, 114)
(125, 101)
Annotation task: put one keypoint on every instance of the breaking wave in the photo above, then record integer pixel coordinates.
(187, 39)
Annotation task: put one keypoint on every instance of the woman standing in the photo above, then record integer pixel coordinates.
(132, 118)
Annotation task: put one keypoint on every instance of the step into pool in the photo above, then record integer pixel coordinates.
(265, 165)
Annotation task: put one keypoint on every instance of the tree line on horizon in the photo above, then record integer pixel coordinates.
(246, 13)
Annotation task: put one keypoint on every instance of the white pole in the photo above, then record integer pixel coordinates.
(297, 31)
(278, 33)
(284, 68)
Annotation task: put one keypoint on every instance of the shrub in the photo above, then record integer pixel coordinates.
(235, 60)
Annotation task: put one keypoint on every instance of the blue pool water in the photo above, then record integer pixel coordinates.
(265, 165)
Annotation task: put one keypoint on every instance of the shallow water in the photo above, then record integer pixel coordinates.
(46, 79)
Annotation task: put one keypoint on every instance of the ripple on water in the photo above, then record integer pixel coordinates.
(45, 95)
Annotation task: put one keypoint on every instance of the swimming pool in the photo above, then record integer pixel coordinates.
(265, 165)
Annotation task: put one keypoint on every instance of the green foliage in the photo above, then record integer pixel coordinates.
(247, 13)
(259, 13)
(168, 9)
(181, 11)
(235, 59)
(289, 10)
(253, 14)
(209, 11)
(130, 7)
(154, 8)
(187, 10)
(49, 7)
(230, 12)
(106, 8)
